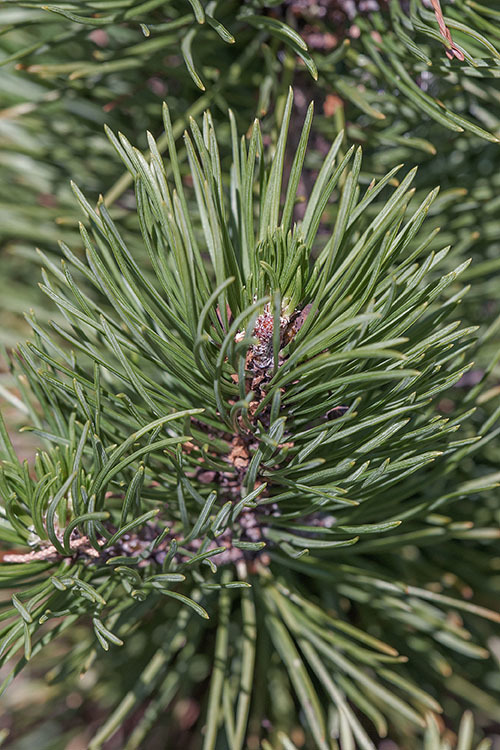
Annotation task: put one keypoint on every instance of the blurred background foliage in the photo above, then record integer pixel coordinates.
(377, 69)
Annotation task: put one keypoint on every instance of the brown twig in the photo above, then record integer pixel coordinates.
(453, 50)
(49, 552)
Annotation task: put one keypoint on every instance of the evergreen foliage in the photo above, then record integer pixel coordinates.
(239, 434)
(384, 75)
(265, 501)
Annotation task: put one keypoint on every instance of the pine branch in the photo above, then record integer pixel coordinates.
(253, 408)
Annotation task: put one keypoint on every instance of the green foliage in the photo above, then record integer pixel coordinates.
(241, 447)
(232, 366)
(393, 87)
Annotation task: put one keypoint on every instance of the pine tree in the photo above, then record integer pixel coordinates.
(231, 454)
(254, 513)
